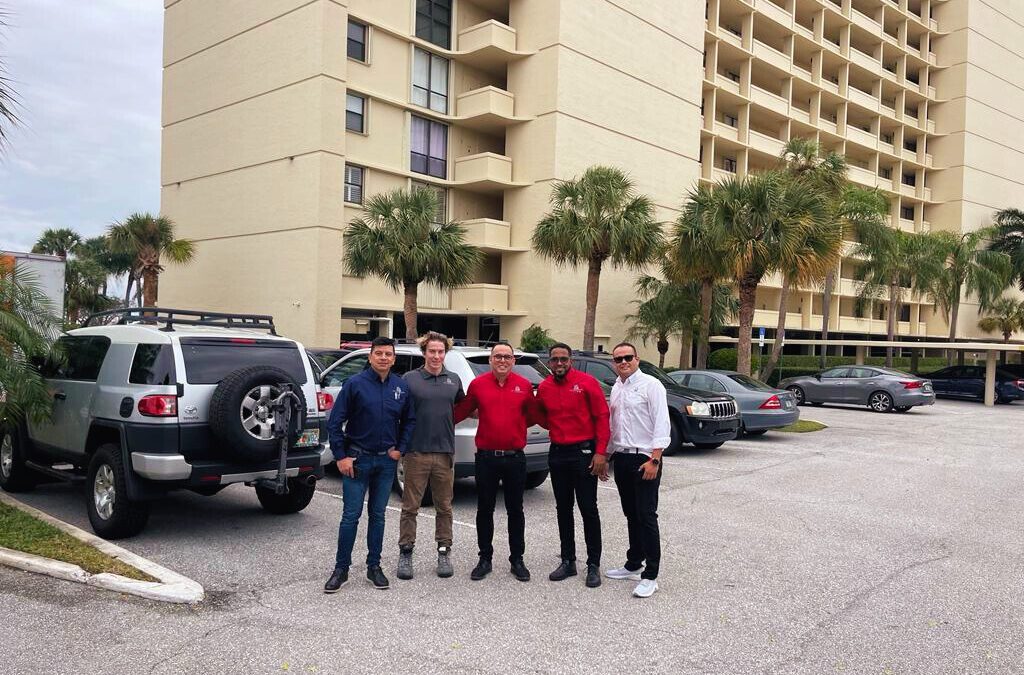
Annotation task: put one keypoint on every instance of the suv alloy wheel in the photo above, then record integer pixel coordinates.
(111, 514)
(14, 475)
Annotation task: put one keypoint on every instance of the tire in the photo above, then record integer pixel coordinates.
(676, 434)
(239, 414)
(902, 408)
(817, 404)
(14, 475)
(707, 446)
(399, 487)
(798, 394)
(756, 432)
(111, 514)
(299, 496)
(880, 401)
(535, 479)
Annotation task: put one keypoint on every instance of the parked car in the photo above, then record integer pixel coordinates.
(969, 382)
(881, 389)
(467, 363)
(702, 418)
(322, 359)
(761, 407)
(169, 400)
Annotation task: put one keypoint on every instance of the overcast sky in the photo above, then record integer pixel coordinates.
(88, 153)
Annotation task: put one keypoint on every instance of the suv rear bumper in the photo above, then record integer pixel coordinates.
(160, 467)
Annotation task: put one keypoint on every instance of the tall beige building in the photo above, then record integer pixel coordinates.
(281, 117)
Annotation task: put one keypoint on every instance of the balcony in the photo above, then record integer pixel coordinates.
(924, 193)
(831, 46)
(848, 287)
(927, 160)
(803, 30)
(883, 183)
(829, 85)
(770, 317)
(862, 98)
(489, 234)
(906, 225)
(484, 172)
(864, 61)
(764, 143)
(827, 125)
(771, 55)
(933, 59)
(931, 126)
(909, 155)
(480, 299)
(861, 137)
(728, 36)
(925, 227)
(865, 22)
(487, 109)
(723, 81)
(718, 175)
(429, 296)
(863, 176)
(773, 12)
(908, 190)
(769, 100)
(726, 131)
(800, 114)
(489, 46)
(854, 324)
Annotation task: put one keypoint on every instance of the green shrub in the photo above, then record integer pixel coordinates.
(535, 339)
(725, 359)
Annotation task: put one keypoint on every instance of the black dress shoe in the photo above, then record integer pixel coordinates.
(338, 579)
(593, 576)
(564, 571)
(482, 569)
(519, 570)
(377, 578)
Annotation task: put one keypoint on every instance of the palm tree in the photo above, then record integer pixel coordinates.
(150, 240)
(8, 99)
(895, 261)
(58, 241)
(114, 263)
(595, 219)
(28, 329)
(972, 270)
(663, 309)
(693, 254)
(1008, 238)
(1006, 317)
(398, 241)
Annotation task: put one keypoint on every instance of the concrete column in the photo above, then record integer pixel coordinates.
(860, 355)
(990, 377)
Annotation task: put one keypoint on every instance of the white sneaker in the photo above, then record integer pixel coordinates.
(623, 573)
(645, 588)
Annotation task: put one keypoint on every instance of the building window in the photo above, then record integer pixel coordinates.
(429, 147)
(434, 21)
(354, 183)
(357, 41)
(355, 113)
(430, 81)
(441, 215)
(885, 172)
(909, 179)
(729, 164)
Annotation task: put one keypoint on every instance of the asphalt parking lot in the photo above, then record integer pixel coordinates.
(883, 544)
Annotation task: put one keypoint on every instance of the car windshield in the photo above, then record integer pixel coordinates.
(750, 383)
(657, 373)
(528, 366)
(326, 359)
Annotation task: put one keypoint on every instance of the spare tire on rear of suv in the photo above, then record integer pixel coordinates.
(240, 417)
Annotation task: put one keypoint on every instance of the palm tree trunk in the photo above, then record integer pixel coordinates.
(686, 350)
(707, 295)
(128, 289)
(410, 311)
(954, 312)
(780, 332)
(149, 287)
(748, 296)
(826, 310)
(890, 321)
(593, 286)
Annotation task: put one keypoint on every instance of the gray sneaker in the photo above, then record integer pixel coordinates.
(444, 563)
(405, 563)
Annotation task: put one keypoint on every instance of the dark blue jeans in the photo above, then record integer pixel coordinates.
(374, 474)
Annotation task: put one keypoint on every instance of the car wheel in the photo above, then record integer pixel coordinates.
(880, 401)
(755, 432)
(14, 475)
(111, 513)
(299, 496)
(676, 436)
(708, 446)
(798, 394)
(536, 479)
(902, 408)
(399, 486)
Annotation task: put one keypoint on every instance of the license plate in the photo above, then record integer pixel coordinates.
(308, 438)
(787, 404)
(927, 388)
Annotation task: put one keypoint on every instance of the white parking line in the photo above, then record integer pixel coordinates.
(395, 508)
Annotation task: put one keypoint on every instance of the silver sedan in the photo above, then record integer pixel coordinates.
(761, 407)
(881, 389)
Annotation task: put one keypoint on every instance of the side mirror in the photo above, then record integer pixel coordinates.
(610, 381)
(817, 376)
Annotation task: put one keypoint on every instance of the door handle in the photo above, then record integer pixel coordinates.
(59, 395)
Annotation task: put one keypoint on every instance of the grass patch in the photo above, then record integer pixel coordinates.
(25, 533)
(803, 427)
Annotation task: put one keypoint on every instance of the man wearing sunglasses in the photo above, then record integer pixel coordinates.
(640, 431)
(571, 405)
(504, 403)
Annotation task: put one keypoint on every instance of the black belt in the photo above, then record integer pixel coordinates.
(500, 453)
(582, 445)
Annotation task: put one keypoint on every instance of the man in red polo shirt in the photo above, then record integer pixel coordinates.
(504, 403)
(572, 406)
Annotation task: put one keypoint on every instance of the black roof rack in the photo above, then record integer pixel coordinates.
(183, 317)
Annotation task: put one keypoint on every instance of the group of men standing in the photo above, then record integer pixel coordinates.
(381, 419)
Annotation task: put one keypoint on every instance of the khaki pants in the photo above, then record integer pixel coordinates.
(435, 470)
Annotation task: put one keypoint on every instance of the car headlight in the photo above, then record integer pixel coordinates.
(699, 409)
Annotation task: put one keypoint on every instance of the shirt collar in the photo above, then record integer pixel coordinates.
(427, 374)
(632, 379)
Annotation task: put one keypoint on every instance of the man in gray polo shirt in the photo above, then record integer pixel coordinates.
(430, 460)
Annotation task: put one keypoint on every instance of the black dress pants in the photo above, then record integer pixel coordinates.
(639, 499)
(508, 470)
(573, 483)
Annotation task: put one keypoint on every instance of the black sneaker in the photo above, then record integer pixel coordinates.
(338, 579)
(593, 576)
(519, 570)
(564, 571)
(482, 569)
(377, 578)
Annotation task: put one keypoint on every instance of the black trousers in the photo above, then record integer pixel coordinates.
(510, 472)
(571, 482)
(640, 506)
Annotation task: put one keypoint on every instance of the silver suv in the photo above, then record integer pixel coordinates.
(467, 363)
(172, 399)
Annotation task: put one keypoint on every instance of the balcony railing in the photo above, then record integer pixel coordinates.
(480, 299)
(771, 55)
(489, 46)
(769, 100)
(726, 131)
(484, 172)
(764, 143)
(487, 109)
(489, 234)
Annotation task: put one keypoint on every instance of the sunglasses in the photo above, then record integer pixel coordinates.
(558, 359)
(626, 357)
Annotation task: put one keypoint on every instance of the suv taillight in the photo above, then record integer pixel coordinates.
(912, 384)
(1020, 384)
(324, 401)
(159, 405)
(773, 403)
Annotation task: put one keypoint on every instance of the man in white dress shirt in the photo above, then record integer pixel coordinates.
(640, 432)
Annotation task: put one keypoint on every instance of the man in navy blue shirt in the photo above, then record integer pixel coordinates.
(369, 428)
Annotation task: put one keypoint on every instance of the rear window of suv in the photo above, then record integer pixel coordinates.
(153, 364)
(210, 360)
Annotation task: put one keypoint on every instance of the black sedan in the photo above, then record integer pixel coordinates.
(969, 382)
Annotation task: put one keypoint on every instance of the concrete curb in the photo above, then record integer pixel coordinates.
(172, 586)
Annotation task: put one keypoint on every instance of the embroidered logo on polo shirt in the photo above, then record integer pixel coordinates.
(448, 380)
(398, 393)
(517, 390)
(576, 389)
